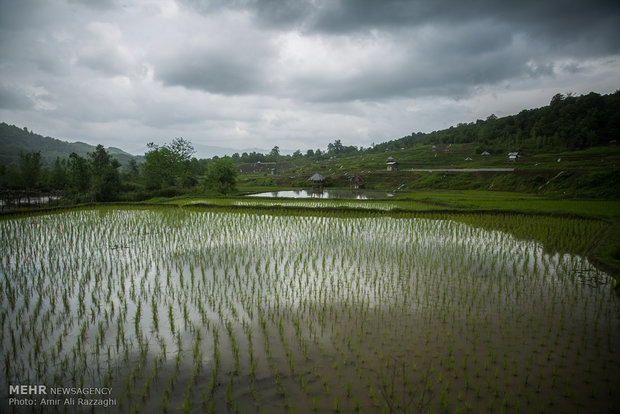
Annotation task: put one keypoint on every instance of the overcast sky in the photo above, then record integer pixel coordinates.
(292, 73)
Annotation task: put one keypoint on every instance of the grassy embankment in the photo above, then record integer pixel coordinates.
(587, 173)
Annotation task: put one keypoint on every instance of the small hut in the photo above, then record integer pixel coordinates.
(356, 182)
(317, 180)
(391, 164)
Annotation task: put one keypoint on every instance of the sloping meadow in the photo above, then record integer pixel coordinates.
(237, 311)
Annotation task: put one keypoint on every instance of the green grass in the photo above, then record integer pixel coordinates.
(605, 251)
(518, 202)
(587, 173)
(299, 203)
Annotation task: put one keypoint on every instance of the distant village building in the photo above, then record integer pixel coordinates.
(391, 164)
(265, 167)
(356, 181)
(513, 156)
(485, 154)
(317, 180)
(468, 159)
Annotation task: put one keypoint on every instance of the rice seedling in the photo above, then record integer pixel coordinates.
(357, 313)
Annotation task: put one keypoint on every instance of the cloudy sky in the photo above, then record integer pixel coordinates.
(293, 73)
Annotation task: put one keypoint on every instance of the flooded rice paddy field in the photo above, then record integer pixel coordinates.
(194, 311)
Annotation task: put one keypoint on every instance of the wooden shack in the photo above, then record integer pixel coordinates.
(317, 180)
(391, 164)
(356, 182)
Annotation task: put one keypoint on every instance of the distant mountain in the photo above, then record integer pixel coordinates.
(14, 140)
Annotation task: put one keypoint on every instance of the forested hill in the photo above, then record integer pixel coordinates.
(568, 123)
(14, 140)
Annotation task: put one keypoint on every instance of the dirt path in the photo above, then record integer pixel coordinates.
(467, 170)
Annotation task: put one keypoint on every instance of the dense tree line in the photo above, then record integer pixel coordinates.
(333, 149)
(168, 170)
(92, 178)
(568, 123)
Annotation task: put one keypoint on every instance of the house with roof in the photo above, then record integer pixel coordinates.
(356, 181)
(391, 164)
(513, 156)
(317, 180)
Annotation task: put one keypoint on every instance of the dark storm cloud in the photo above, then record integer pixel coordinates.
(96, 4)
(442, 47)
(550, 16)
(280, 13)
(250, 71)
(590, 25)
(431, 61)
(222, 56)
(12, 98)
(211, 73)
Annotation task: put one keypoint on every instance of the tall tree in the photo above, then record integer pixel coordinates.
(221, 176)
(169, 165)
(105, 180)
(335, 148)
(79, 174)
(30, 169)
(59, 178)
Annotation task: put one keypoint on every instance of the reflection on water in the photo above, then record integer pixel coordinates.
(27, 201)
(218, 303)
(316, 193)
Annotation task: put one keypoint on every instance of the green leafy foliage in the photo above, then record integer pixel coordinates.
(221, 176)
(169, 165)
(105, 181)
(568, 123)
(30, 169)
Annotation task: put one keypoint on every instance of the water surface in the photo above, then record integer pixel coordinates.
(347, 194)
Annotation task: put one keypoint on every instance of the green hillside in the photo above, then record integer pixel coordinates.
(566, 149)
(14, 140)
(568, 123)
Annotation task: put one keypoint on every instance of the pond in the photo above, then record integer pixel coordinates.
(331, 193)
(202, 311)
(27, 201)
